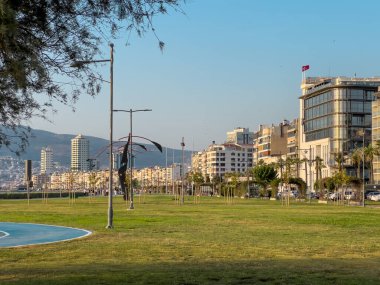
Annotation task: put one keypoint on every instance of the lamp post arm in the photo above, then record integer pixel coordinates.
(80, 63)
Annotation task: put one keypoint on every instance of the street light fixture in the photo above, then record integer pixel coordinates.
(130, 111)
(110, 190)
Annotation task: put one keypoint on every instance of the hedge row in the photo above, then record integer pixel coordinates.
(36, 195)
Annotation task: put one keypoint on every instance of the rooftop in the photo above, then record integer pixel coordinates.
(314, 84)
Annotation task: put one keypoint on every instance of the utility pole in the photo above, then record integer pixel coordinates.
(311, 174)
(182, 172)
(363, 169)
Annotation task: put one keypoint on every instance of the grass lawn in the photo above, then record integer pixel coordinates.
(249, 242)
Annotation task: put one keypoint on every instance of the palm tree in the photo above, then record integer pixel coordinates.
(356, 158)
(216, 182)
(93, 180)
(369, 152)
(297, 163)
(318, 167)
(197, 179)
(339, 159)
(289, 163)
(305, 160)
(279, 165)
(264, 174)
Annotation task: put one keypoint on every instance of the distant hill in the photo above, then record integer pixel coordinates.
(61, 146)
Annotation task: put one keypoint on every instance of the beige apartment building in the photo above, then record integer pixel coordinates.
(270, 142)
(376, 135)
(157, 176)
(292, 138)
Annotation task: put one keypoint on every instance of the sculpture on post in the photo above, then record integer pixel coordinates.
(122, 171)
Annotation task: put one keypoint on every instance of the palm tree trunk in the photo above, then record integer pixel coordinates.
(297, 169)
(358, 171)
(306, 172)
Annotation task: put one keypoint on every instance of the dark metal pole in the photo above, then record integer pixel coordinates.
(310, 174)
(131, 206)
(110, 208)
(363, 170)
(182, 172)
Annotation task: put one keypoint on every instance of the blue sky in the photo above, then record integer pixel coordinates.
(227, 64)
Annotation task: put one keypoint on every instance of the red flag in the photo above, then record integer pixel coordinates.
(305, 67)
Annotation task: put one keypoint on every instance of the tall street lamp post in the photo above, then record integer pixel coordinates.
(182, 171)
(362, 133)
(110, 190)
(363, 170)
(130, 111)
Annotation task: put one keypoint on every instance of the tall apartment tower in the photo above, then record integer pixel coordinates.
(46, 160)
(116, 160)
(334, 111)
(80, 149)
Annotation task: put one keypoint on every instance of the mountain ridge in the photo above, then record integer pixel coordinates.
(61, 146)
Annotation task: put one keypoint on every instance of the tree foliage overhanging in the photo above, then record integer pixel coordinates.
(40, 39)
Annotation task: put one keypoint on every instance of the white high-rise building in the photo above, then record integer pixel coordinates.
(116, 160)
(46, 160)
(80, 149)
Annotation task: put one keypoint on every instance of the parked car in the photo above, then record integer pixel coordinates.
(369, 194)
(286, 193)
(349, 195)
(333, 196)
(375, 197)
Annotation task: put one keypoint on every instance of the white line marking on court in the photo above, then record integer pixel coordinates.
(5, 234)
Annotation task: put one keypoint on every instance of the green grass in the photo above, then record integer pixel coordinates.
(160, 242)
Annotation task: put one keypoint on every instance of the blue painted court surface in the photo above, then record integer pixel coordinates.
(21, 234)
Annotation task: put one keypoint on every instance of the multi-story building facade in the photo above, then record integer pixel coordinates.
(333, 113)
(116, 160)
(240, 136)
(158, 177)
(292, 138)
(46, 161)
(219, 159)
(270, 142)
(376, 135)
(80, 148)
